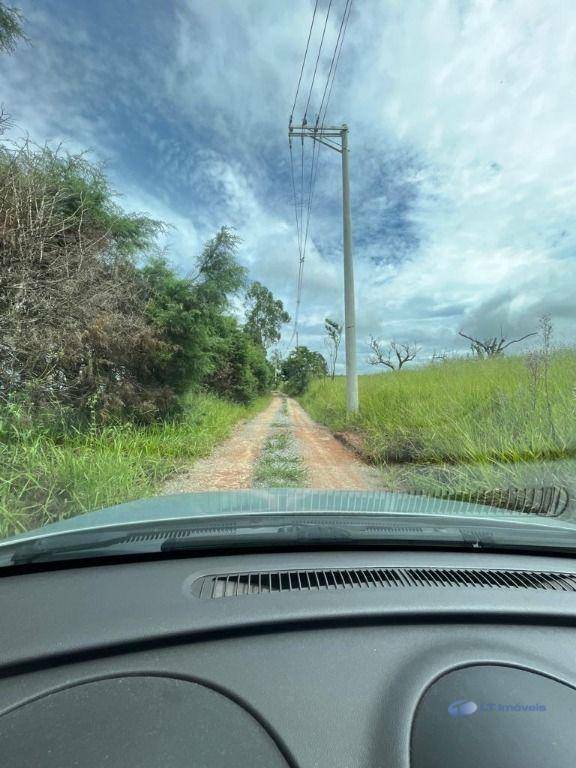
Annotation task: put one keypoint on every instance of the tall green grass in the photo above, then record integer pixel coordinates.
(45, 477)
(487, 414)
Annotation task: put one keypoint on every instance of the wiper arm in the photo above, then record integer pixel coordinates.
(206, 533)
(291, 529)
(43, 549)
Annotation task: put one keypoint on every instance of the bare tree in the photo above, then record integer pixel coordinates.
(393, 355)
(4, 121)
(333, 339)
(492, 347)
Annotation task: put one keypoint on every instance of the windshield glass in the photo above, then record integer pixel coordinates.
(270, 247)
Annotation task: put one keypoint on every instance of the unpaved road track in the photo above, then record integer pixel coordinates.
(231, 464)
(328, 464)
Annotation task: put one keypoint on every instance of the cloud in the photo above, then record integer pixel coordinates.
(461, 134)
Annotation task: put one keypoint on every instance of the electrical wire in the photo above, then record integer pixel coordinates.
(317, 60)
(292, 173)
(302, 231)
(304, 61)
(334, 61)
(324, 103)
(299, 219)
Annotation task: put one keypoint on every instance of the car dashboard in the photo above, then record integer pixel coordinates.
(325, 659)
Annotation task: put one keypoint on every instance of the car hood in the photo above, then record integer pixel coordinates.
(249, 503)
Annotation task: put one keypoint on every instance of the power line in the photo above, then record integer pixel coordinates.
(301, 191)
(331, 73)
(294, 196)
(304, 60)
(335, 60)
(299, 219)
(315, 146)
(303, 230)
(311, 183)
(317, 60)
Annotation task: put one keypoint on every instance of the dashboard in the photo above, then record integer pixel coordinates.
(315, 659)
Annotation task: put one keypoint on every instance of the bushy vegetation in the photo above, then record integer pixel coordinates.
(300, 368)
(84, 325)
(502, 411)
(51, 470)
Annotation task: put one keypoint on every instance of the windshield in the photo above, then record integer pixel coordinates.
(267, 249)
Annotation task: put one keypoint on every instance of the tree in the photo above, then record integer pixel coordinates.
(72, 321)
(265, 315)
(219, 275)
(492, 347)
(276, 365)
(300, 367)
(241, 371)
(10, 28)
(173, 307)
(333, 338)
(393, 355)
(205, 345)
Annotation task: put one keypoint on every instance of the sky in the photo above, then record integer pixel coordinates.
(462, 119)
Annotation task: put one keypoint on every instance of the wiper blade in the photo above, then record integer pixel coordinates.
(42, 549)
(234, 531)
(284, 530)
(117, 540)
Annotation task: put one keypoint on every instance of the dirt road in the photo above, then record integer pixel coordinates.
(329, 464)
(326, 463)
(230, 466)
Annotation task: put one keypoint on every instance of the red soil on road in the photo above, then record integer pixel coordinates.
(329, 464)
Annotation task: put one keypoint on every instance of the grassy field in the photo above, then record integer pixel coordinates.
(463, 423)
(44, 478)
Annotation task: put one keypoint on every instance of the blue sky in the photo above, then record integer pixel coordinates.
(461, 116)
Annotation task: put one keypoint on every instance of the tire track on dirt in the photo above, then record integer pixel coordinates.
(329, 464)
(231, 464)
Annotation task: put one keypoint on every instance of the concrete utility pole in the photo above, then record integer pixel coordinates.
(325, 135)
(349, 303)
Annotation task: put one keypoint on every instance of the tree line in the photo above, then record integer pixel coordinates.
(93, 315)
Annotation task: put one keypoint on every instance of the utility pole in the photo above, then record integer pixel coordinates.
(329, 136)
(349, 303)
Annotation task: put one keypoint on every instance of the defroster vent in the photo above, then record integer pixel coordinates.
(324, 580)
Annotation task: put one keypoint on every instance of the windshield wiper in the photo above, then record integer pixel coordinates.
(233, 532)
(280, 530)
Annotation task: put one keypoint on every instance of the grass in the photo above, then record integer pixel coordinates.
(44, 478)
(279, 465)
(463, 423)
